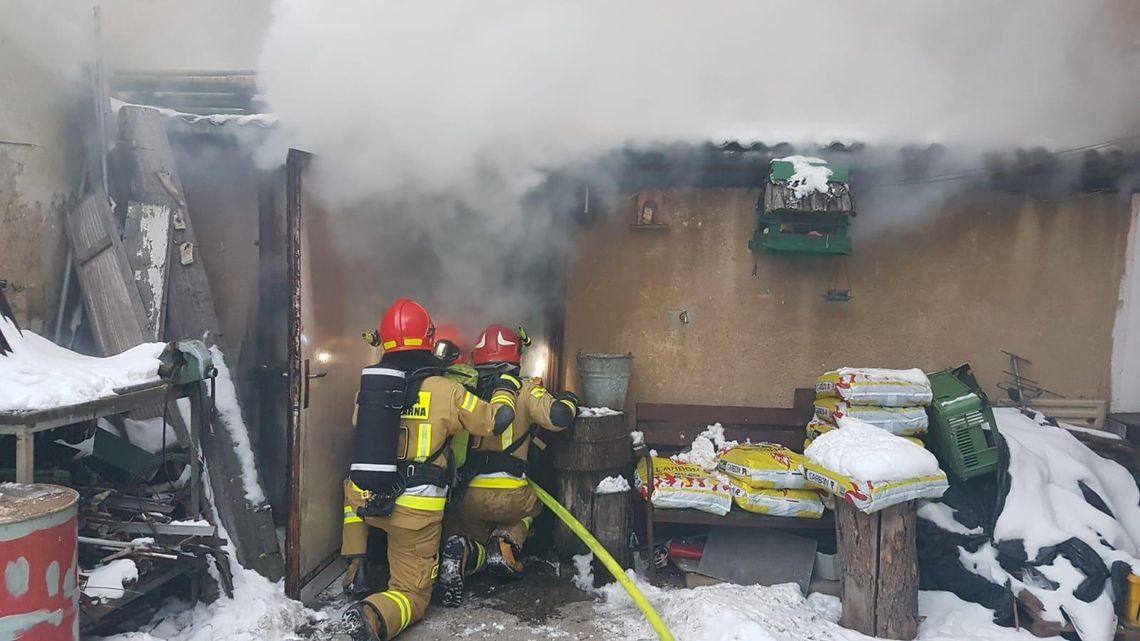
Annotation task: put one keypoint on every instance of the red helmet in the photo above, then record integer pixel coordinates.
(406, 326)
(497, 344)
(450, 332)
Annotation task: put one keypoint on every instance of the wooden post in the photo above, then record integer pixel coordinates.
(611, 526)
(879, 584)
(896, 612)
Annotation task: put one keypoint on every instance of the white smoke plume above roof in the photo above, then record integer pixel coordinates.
(434, 95)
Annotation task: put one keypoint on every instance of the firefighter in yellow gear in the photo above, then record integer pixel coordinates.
(399, 479)
(487, 527)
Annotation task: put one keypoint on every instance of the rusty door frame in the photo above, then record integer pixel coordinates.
(295, 165)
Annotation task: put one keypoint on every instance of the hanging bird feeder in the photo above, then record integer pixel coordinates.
(806, 208)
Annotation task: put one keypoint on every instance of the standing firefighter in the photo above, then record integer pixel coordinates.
(488, 526)
(406, 414)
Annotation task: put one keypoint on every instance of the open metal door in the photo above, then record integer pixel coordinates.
(326, 355)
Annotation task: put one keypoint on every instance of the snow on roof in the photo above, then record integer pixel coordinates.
(39, 374)
(810, 175)
(259, 120)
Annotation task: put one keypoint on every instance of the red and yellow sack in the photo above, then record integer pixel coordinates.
(683, 485)
(900, 421)
(800, 504)
(872, 496)
(764, 465)
(870, 386)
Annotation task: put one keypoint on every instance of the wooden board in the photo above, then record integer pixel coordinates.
(670, 427)
(191, 313)
(1079, 412)
(114, 307)
(742, 519)
(152, 210)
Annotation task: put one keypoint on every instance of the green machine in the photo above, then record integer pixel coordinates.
(185, 362)
(809, 223)
(963, 432)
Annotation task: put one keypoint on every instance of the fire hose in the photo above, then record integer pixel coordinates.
(600, 552)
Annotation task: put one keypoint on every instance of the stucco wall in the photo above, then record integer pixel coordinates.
(1037, 278)
(40, 157)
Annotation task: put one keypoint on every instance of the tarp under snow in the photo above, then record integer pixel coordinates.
(1066, 532)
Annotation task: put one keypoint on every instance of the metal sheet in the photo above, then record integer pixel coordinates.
(758, 557)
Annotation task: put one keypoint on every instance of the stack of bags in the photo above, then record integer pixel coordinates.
(861, 445)
(769, 479)
(893, 400)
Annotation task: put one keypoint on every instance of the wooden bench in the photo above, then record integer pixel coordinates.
(670, 428)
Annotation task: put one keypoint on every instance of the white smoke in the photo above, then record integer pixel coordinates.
(431, 119)
(431, 95)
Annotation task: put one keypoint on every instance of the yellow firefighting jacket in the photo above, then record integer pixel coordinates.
(532, 404)
(444, 409)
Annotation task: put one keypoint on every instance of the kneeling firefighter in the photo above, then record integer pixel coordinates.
(486, 528)
(407, 411)
(448, 347)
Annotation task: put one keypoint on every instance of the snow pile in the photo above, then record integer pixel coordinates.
(637, 438)
(106, 583)
(811, 175)
(727, 612)
(226, 402)
(583, 578)
(942, 515)
(1046, 504)
(259, 611)
(862, 451)
(39, 374)
(706, 447)
(597, 411)
(1063, 494)
(612, 485)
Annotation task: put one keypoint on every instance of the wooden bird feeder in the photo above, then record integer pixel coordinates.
(651, 210)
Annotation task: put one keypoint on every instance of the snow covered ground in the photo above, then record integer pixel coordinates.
(554, 610)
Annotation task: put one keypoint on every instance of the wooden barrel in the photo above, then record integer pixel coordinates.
(596, 443)
(597, 447)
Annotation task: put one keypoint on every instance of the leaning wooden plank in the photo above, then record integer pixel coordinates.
(225, 442)
(114, 307)
(151, 209)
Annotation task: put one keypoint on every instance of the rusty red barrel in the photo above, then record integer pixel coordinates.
(38, 545)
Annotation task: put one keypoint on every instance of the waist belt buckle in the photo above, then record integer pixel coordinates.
(410, 471)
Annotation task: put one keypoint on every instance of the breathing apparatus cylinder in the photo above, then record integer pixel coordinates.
(377, 434)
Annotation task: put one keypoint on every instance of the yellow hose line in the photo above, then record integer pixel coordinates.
(607, 560)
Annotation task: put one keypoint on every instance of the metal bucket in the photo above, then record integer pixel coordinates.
(605, 379)
(39, 596)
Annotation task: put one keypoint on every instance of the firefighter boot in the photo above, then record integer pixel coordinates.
(355, 585)
(503, 557)
(455, 560)
(363, 622)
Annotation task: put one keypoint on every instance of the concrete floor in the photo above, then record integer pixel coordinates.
(542, 605)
